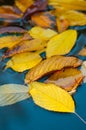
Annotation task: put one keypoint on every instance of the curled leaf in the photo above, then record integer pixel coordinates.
(68, 78)
(23, 61)
(12, 93)
(51, 65)
(51, 97)
(41, 33)
(25, 46)
(61, 44)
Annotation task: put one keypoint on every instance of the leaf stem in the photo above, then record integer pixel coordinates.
(80, 117)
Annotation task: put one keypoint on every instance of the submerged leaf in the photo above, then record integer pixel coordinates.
(23, 61)
(51, 97)
(41, 33)
(61, 44)
(51, 65)
(12, 93)
(68, 78)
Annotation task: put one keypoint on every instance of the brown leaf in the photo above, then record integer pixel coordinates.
(82, 52)
(44, 19)
(24, 46)
(10, 41)
(68, 78)
(50, 65)
(11, 29)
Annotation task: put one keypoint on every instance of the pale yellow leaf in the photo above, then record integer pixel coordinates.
(51, 97)
(61, 44)
(12, 93)
(41, 33)
(23, 61)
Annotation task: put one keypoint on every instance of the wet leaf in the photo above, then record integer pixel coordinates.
(23, 61)
(61, 44)
(12, 93)
(41, 33)
(44, 19)
(68, 78)
(50, 65)
(25, 46)
(51, 97)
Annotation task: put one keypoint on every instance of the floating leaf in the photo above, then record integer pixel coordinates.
(12, 93)
(61, 44)
(50, 65)
(25, 46)
(41, 33)
(51, 97)
(68, 78)
(23, 61)
(44, 19)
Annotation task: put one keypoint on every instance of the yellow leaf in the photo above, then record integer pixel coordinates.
(23, 4)
(50, 65)
(51, 97)
(69, 4)
(61, 44)
(25, 46)
(41, 33)
(23, 61)
(73, 17)
(10, 41)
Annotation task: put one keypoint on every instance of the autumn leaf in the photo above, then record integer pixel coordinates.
(68, 78)
(61, 44)
(25, 46)
(41, 33)
(10, 41)
(44, 19)
(12, 29)
(23, 61)
(50, 65)
(69, 4)
(12, 93)
(51, 97)
(83, 70)
(73, 17)
(82, 52)
(23, 4)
